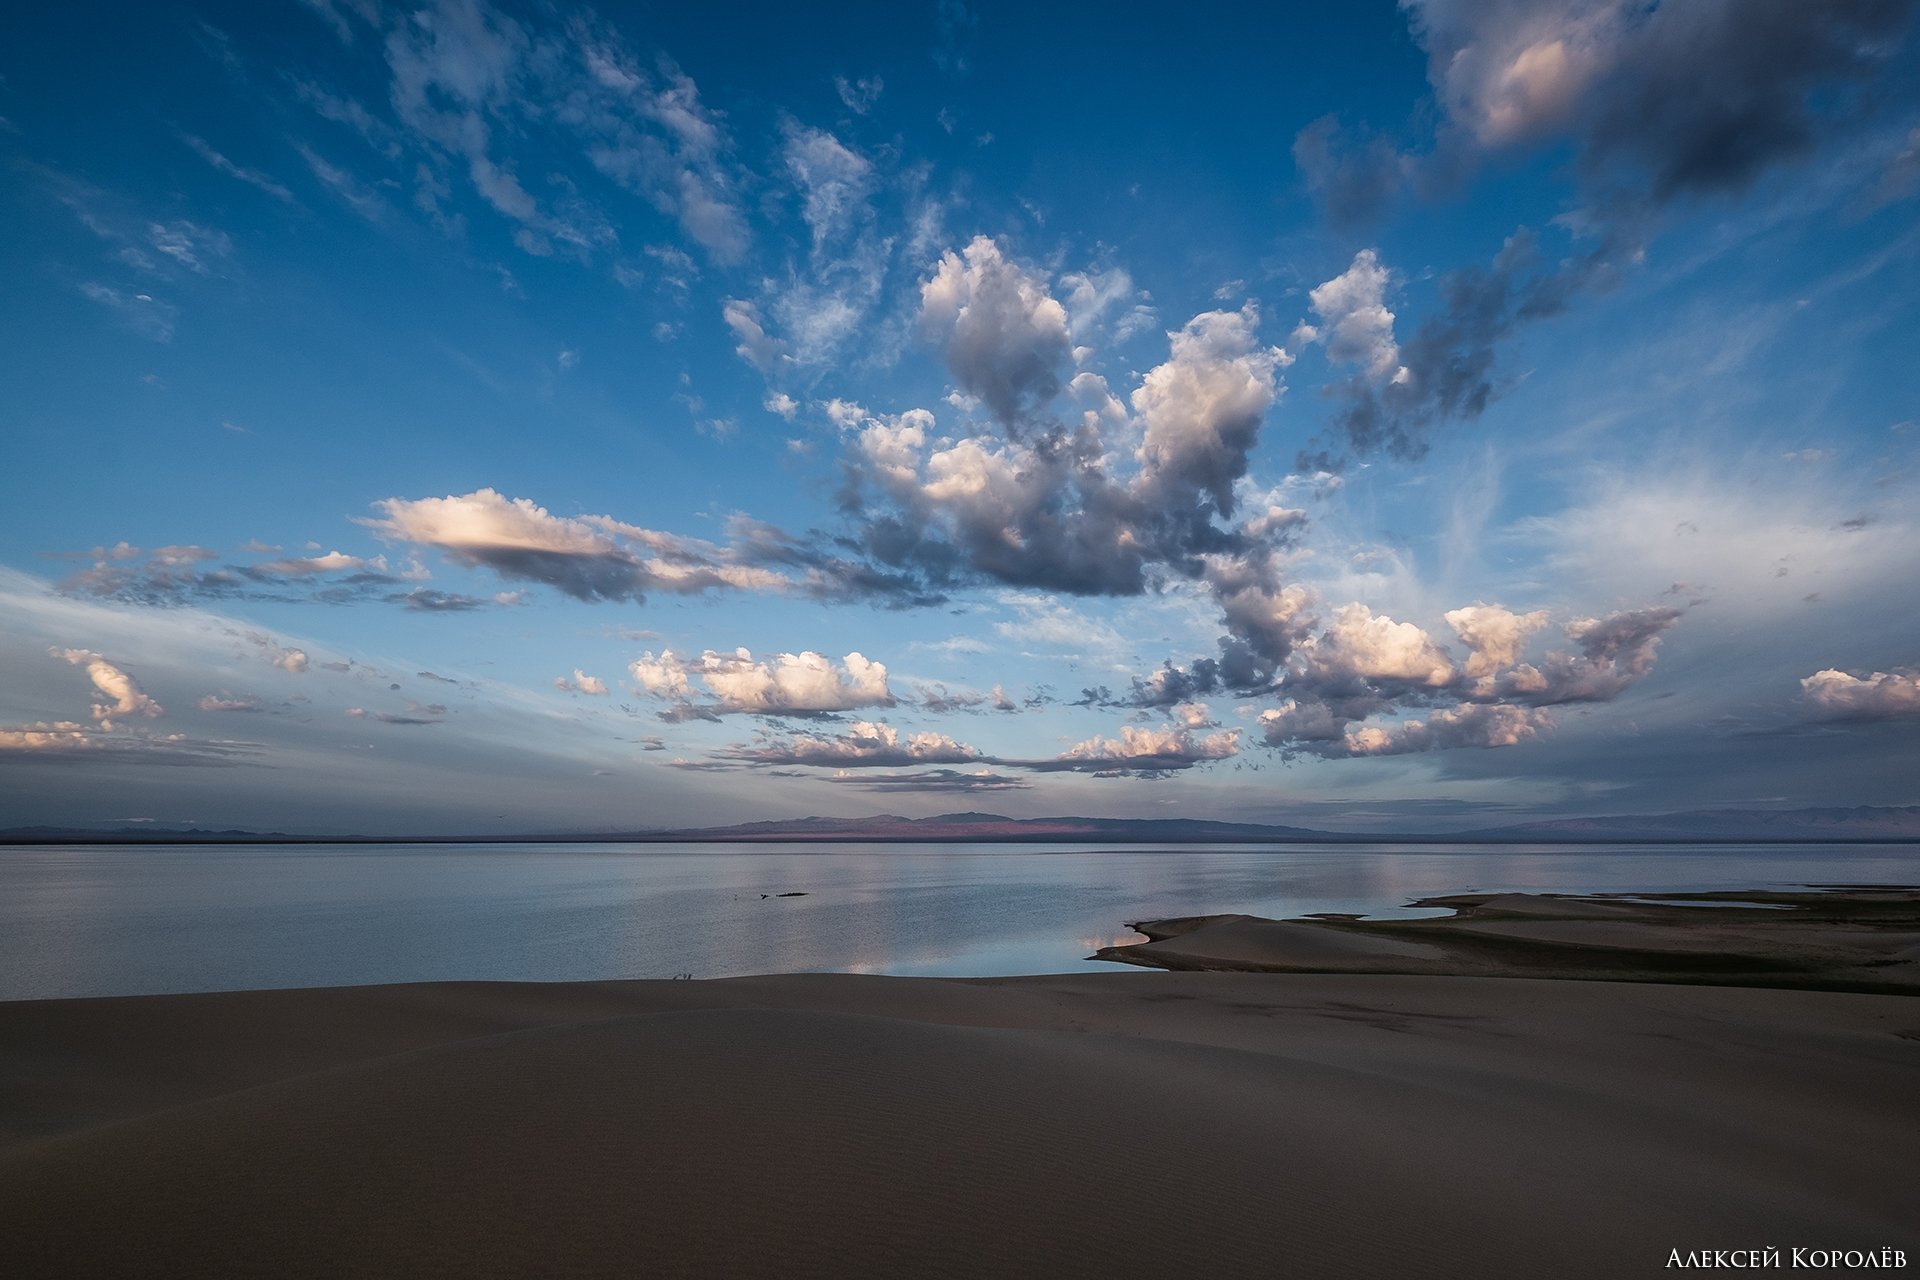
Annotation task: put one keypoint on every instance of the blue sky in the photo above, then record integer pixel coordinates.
(494, 418)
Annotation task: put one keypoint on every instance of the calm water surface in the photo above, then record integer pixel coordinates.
(82, 920)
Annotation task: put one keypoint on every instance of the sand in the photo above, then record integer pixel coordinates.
(1220, 1124)
(1853, 938)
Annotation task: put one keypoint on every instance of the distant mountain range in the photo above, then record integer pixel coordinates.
(1896, 823)
(1885, 823)
(994, 827)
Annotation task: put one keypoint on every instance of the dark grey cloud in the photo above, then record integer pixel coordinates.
(682, 712)
(1658, 102)
(1448, 366)
(822, 573)
(614, 575)
(937, 699)
(1005, 338)
(1708, 95)
(1136, 751)
(1355, 174)
(429, 600)
(1266, 618)
(1166, 687)
(1051, 518)
(1614, 653)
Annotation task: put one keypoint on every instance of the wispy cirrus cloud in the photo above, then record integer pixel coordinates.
(185, 574)
(146, 315)
(653, 134)
(859, 96)
(336, 14)
(351, 190)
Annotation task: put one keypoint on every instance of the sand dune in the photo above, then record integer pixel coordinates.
(1236, 1124)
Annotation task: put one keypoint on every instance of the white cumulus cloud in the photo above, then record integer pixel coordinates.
(123, 696)
(804, 683)
(581, 683)
(1483, 725)
(1354, 320)
(1883, 695)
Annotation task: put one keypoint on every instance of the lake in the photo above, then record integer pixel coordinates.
(87, 920)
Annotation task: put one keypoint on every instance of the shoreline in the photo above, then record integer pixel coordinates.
(1350, 1124)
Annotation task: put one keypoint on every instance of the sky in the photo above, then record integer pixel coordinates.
(471, 417)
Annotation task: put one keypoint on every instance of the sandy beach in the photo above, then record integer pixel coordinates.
(1352, 1124)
